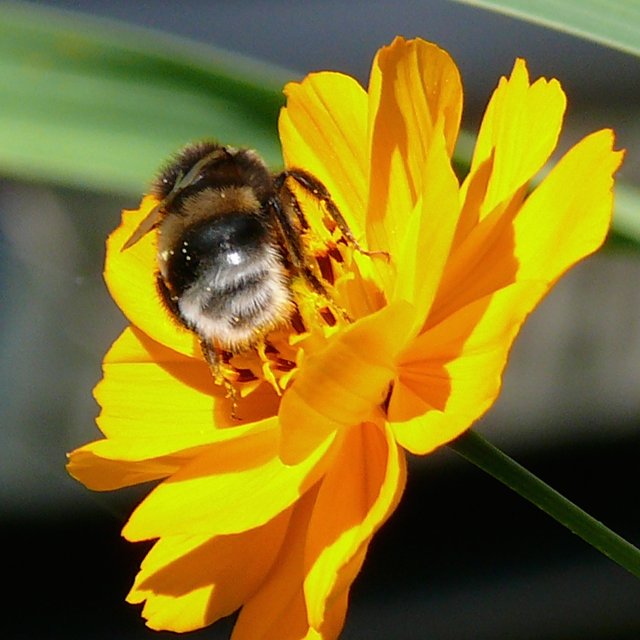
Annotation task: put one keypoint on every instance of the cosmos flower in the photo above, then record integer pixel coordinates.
(272, 513)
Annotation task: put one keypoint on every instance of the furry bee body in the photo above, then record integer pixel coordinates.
(229, 244)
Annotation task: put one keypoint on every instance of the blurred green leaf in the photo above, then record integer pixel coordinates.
(626, 220)
(96, 104)
(615, 23)
(91, 103)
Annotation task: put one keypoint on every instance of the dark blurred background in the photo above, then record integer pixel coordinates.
(463, 558)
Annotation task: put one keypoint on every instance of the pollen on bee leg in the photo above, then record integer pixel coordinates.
(223, 374)
(314, 307)
(330, 311)
(230, 393)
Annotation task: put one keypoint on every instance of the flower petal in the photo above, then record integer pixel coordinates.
(429, 233)
(131, 278)
(158, 410)
(568, 215)
(345, 383)
(156, 401)
(519, 131)
(359, 492)
(323, 131)
(190, 581)
(104, 474)
(414, 86)
(565, 218)
(452, 373)
(278, 610)
(155, 398)
(228, 488)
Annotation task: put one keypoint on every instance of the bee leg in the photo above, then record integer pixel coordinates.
(301, 261)
(295, 250)
(319, 191)
(267, 371)
(222, 374)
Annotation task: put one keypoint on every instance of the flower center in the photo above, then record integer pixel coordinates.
(277, 356)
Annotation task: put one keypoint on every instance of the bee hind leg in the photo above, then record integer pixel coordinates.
(222, 373)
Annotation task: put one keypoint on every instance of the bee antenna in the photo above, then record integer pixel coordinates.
(183, 181)
(149, 223)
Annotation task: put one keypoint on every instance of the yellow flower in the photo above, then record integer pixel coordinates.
(273, 513)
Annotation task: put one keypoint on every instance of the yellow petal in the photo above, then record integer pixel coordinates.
(190, 581)
(156, 401)
(452, 373)
(323, 130)
(345, 383)
(483, 263)
(519, 131)
(154, 397)
(563, 220)
(568, 215)
(159, 407)
(131, 279)
(428, 234)
(414, 86)
(359, 492)
(109, 464)
(104, 474)
(278, 611)
(229, 487)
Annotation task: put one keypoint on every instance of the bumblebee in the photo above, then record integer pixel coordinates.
(230, 243)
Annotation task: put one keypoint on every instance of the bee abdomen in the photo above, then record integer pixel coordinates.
(243, 297)
(236, 311)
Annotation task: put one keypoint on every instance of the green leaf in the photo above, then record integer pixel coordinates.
(615, 23)
(95, 104)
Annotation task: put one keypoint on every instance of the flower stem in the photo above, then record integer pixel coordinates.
(484, 455)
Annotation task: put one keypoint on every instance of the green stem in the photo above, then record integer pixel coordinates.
(483, 454)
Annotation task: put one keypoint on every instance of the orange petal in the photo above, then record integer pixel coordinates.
(229, 487)
(131, 279)
(345, 383)
(278, 611)
(452, 373)
(323, 130)
(190, 581)
(519, 131)
(358, 493)
(414, 86)
(483, 263)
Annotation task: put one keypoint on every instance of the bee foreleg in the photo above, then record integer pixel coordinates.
(295, 250)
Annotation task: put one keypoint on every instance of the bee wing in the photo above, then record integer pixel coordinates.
(144, 227)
